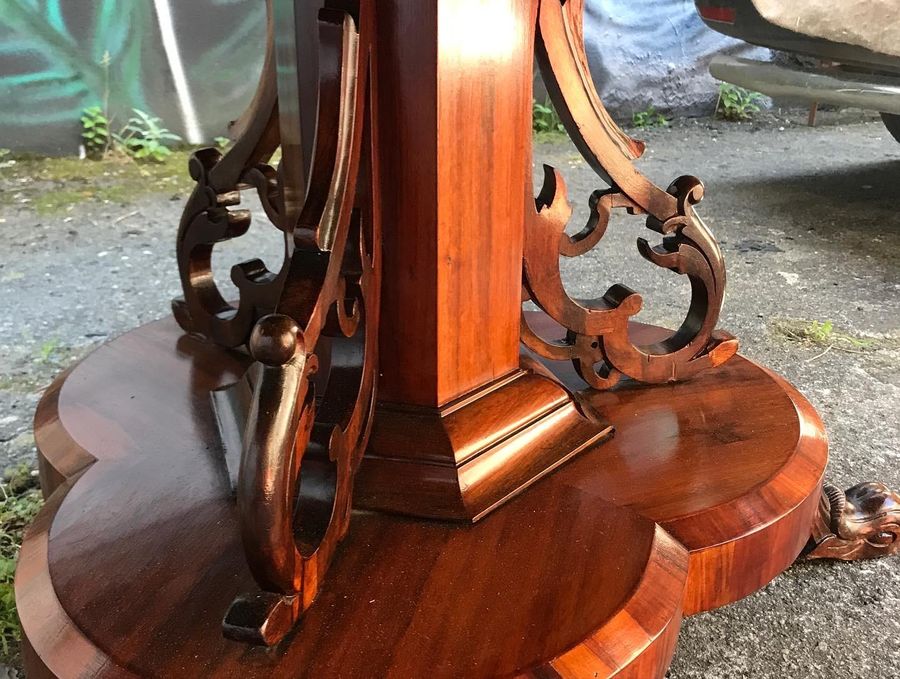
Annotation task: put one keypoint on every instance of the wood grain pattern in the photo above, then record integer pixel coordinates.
(417, 113)
(465, 459)
(738, 488)
(862, 522)
(731, 493)
(211, 216)
(411, 585)
(302, 439)
(455, 80)
(453, 210)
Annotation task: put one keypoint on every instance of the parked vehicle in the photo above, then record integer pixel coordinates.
(848, 56)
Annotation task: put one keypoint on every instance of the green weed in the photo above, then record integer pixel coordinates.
(649, 117)
(823, 333)
(48, 350)
(735, 103)
(95, 132)
(145, 138)
(545, 121)
(142, 138)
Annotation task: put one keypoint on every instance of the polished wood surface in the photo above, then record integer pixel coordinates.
(597, 339)
(190, 475)
(684, 508)
(453, 74)
(454, 90)
(311, 390)
(557, 578)
(466, 458)
(862, 522)
(744, 514)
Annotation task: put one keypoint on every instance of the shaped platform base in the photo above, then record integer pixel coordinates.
(707, 491)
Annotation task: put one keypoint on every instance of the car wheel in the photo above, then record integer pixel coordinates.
(892, 122)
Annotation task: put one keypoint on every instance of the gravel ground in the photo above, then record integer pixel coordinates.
(809, 225)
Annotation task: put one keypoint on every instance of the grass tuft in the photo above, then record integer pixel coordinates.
(545, 122)
(824, 334)
(649, 117)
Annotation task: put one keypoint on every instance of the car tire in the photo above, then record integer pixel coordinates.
(892, 123)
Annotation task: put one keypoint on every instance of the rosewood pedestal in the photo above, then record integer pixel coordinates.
(373, 462)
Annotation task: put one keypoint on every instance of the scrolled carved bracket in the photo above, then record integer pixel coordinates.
(862, 522)
(209, 219)
(311, 327)
(596, 338)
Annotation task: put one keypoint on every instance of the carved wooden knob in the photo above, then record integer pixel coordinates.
(276, 339)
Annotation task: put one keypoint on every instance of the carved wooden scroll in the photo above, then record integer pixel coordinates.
(862, 522)
(311, 327)
(597, 339)
(208, 219)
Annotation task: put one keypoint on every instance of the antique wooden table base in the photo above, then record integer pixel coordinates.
(373, 463)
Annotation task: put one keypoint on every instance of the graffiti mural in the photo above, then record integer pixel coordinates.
(58, 57)
(194, 63)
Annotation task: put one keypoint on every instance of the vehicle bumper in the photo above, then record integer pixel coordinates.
(826, 85)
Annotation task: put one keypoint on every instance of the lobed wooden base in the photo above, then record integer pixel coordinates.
(696, 501)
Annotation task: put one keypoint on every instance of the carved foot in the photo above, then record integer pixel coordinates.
(860, 523)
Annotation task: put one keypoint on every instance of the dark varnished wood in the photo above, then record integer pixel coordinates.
(449, 360)
(862, 522)
(597, 340)
(558, 578)
(457, 90)
(466, 458)
(303, 438)
(453, 75)
(731, 494)
(452, 343)
(302, 435)
(210, 217)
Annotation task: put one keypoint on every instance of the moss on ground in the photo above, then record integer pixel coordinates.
(56, 185)
(20, 500)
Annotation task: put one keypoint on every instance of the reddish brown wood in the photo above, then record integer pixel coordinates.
(208, 219)
(739, 488)
(466, 458)
(302, 438)
(597, 340)
(453, 216)
(454, 212)
(556, 577)
(420, 112)
(734, 486)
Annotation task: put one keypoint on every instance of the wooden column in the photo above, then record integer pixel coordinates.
(461, 426)
(455, 106)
